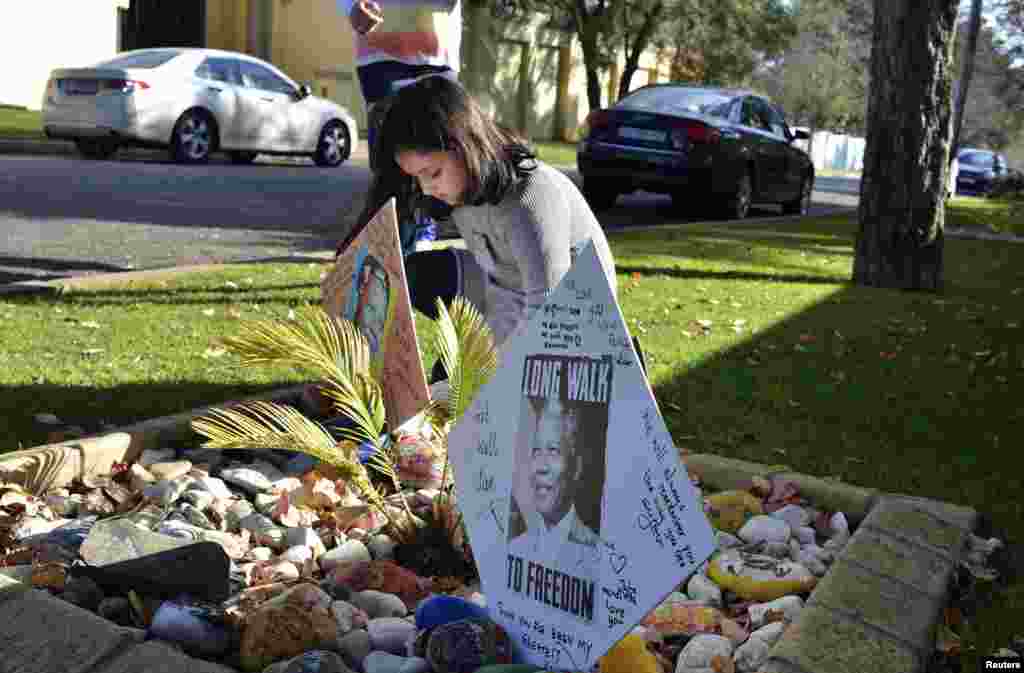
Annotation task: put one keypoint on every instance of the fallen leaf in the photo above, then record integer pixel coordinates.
(91, 324)
(706, 324)
(636, 277)
(233, 286)
(208, 312)
(291, 314)
(213, 353)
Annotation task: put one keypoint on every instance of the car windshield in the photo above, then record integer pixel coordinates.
(674, 99)
(980, 159)
(140, 59)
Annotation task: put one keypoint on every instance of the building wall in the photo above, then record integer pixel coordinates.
(42, 35)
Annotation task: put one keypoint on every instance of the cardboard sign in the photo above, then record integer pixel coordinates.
(580, 512)
(368, 286)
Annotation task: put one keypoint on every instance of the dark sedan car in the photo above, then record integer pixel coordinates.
(706, 147)
(978, 170)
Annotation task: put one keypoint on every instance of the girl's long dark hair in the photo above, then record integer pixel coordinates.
(436, 114)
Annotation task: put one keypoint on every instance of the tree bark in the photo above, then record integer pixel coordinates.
(901, 213)
(963, 85)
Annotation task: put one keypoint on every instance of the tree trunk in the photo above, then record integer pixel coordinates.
(963, 84)
(590, 60)
(901, 213)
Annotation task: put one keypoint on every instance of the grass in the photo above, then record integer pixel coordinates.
(20, 123)
(995, 215)
(758, 348)
(556, 153)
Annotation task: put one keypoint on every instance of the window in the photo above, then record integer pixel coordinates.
(150, 58)
(256, 76)
(978, 159)
(674, 99)
(219, 70)
(775, 120)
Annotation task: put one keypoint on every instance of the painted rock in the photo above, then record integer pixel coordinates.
(629, 655)
(765, 529)
(466, 645)
(679, 615)
(757, 577)
(390, 634)
(441, 609)
(729, 510)
(287, 625)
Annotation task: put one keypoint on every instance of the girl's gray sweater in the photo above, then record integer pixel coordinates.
(526, 243)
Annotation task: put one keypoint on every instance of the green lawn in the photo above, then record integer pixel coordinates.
(17, 122)
(758, 348)
(996, 215)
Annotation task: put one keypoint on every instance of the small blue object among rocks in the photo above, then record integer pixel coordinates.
(441, 609)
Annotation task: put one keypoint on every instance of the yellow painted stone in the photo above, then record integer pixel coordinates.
(630, 655)
(756, 577)
(729, 510)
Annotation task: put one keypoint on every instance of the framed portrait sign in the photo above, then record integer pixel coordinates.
(368, 287)
(580, 512)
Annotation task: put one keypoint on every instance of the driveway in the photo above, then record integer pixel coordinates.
(66, 216)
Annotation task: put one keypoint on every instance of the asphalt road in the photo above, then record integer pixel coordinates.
(65, 216)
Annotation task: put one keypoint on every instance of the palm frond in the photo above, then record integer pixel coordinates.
(265, 425)
(467, 352)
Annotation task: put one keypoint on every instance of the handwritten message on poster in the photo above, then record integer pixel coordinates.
(368, 286)
(580, 512)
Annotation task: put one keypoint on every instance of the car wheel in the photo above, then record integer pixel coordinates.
(802, 204)
(242, 158)
(334, 145)
(599, 194)
(194, 138)
(96, 148)
(737, 205)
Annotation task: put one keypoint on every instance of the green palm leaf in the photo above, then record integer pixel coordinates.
(467, 352)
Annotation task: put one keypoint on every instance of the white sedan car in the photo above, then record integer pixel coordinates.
(195, 102)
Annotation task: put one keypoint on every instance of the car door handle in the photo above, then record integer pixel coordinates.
(269, 100)
(214, 89)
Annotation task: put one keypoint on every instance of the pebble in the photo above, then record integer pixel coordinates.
(350, 550)
(385, 662)
(770, 633)
(355, 646)
(213, 485)
(790, 606)
(139, 477)
(697, 655)
(298, 554)
(727, 540)
(750, 655)
(247, 479)
(151, 456)
(186, 626)
(198, 498)
(261, 553)
(170, 470)
(348, 617)
(795, 515)
(379, 605)
(466, 645)
(764, 528)
(701, 588)
(441, 609)
(305, 536)
(313, 661)
(166, 492)
(805, 535)
(381, 547)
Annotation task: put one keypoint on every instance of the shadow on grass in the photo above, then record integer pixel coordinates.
(903, 392)
(701, 274)
(92, 408)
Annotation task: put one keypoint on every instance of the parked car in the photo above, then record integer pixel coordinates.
(723, 148)
(978, 170)
(194, 102)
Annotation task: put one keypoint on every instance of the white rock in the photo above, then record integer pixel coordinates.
(805, 535)
(167, 492)
(351, 550)
(249, 480)
(214, 485)
(839, 525)
(151, 456)
(769, 633)
(197, 498)
(763, 528)
(697, 655)
(37, 526)
(779, 550)
(348, 617)
(727, 540)
(171, 470)
(261, 553)
(267, 469)
(307, 537)
(750, 655)
(265, 503)
(264, 531)
(286, 484)
(139, 477)
(390, 634)
(810, 560)
(790, 606)
(795, 515)
(381, 547)
(277, 571)
(298, 554)
(703, 589)
(358, 534)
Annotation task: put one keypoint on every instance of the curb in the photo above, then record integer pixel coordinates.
(876, 609)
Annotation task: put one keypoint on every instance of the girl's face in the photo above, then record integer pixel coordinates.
(441, 175)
